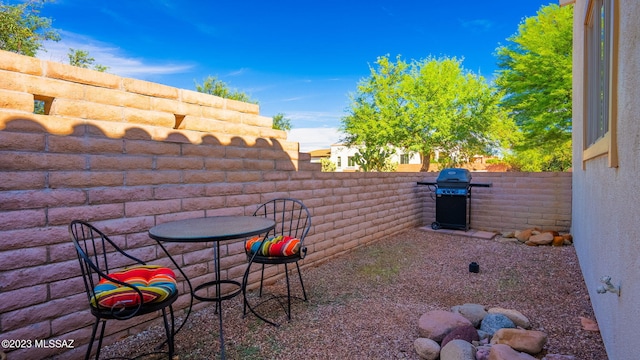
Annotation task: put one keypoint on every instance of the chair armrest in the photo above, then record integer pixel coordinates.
(119, 310)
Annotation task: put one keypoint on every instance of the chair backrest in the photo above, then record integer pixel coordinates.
(98, 256)
(291, 216)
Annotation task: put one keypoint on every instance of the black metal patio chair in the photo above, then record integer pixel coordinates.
(283, 245)
(120, 286)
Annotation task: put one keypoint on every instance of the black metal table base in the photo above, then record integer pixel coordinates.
(216, 284)
(218, 298)
(210, 229)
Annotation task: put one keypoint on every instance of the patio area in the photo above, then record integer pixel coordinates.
(127, 154)
(366, 304)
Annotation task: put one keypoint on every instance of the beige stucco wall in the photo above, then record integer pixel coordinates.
(606, 201)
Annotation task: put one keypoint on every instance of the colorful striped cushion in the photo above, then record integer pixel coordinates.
(155, 282)
(273, 246)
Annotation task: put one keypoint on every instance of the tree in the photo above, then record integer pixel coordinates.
(536, 71)
(371, 158)
(81, 58)
(213, 86)
(327, 165)
(281, 123)
(422, 106)
(22, 30)
(377, 99)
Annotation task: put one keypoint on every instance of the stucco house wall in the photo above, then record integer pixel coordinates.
(606, 200)
(340, 155)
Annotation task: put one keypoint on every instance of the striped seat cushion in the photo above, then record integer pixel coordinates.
(273, 246)
(155, 282)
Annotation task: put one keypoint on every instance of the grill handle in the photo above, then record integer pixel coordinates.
(432, 183)
(481, 185)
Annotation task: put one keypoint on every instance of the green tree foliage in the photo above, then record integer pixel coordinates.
(328, 165)
(22, 30)
(423, 106)
(372, 158)
(280, 122)
(535, 73)
(81, 58)
(214, 86)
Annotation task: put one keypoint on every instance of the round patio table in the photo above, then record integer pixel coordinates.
(210, 229)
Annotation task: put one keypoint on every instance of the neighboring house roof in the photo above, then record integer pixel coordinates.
(320, 153)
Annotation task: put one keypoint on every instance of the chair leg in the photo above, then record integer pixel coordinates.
(286, 274)
(287, 309)
(261, 278)
(91, 340)
(304, 292)
(301, 283)
(173, 327)
(169, 331)
(245, 282)
(104, 324)
(244, 296)
(93, 337)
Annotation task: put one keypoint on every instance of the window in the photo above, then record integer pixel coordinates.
(339, 162)
(600, 81)
(404, 159)
(351, 161)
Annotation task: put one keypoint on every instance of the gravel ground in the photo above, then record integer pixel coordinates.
(366, 304)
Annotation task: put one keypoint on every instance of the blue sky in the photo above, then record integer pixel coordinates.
(301, 58)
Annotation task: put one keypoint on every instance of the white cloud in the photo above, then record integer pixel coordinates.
(314, 138)
(108, 55)
(238, 72)
(324, 119)
(297, 98)
(478, 24)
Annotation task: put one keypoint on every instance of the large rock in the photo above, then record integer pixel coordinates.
(427, 349)
(558, 241)
(458, 350)
(494, 322)
(504, 352)
(436, 324)
(529, 341)
(473, 312)
(568, 239)
(482, 352)
(467, 333)
(513, 315)
(509, 234)
(524, 235)
(540, 239)
(505, 240)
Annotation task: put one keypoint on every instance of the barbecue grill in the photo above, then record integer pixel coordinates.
(453, 198)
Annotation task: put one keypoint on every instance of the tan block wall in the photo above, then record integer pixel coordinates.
(515, 201)
(127, 154)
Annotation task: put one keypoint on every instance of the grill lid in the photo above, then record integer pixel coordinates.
(454, 177)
